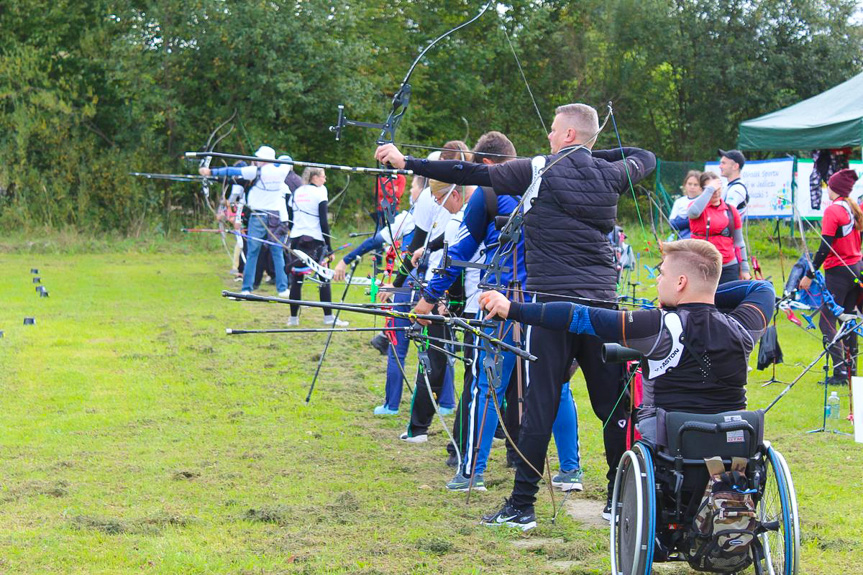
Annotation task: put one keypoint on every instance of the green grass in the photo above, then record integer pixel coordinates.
(138, 437)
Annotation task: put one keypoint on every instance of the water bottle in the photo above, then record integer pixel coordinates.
(833, 406)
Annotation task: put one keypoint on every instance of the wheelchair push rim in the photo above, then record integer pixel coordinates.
(633, 514)
(778, 507)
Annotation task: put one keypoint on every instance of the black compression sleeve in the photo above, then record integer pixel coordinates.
(325, 224)
(821, 254)
(451, 171)
(418, 240)
(435, 244)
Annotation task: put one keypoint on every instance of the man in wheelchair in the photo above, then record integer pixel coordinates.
(674, 489)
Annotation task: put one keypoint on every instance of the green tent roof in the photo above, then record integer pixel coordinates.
(832, 119)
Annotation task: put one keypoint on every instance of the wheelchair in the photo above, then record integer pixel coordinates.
(660, 492)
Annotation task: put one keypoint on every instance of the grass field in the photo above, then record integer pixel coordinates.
(138, 437)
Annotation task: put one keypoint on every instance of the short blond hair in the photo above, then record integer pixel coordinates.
(700, 259)
(582, 118)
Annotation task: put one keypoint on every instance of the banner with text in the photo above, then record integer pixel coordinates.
(769, 185)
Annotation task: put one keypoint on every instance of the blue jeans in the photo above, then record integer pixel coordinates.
(565, 425)
(396, 355)
(447, 394)
(258, 230)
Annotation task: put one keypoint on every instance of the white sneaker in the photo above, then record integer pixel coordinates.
(415, 439)
(245, 292)
(331, 320)
(285, 294)
(293, 321)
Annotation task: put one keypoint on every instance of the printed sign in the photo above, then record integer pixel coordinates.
(769, 184)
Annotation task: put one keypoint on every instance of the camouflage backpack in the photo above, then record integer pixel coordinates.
(724, 526)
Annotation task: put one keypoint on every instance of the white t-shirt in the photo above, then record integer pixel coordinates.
(402, 225)
(735, 194)
(680, 207)
(429, 215)
(306, 204)
(471, 275)
(268, 192)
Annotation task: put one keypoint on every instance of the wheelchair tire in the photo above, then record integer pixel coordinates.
(778, 508)
(633, 513)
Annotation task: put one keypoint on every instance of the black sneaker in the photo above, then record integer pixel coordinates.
(511, 516)
(380, 343)
(452, 461)
(606, 512)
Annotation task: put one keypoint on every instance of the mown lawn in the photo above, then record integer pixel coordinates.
(135, 436)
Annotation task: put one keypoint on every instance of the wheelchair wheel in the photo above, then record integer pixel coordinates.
(777, 511)
(633, 513)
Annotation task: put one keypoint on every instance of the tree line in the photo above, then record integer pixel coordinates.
(90, 91)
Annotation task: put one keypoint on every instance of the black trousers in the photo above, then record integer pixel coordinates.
(545, 377)
(511, 420)
(422, 408)
(730, 274)
(314, 248)
(461, 422)
(840, 283)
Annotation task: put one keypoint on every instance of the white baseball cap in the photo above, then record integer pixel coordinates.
(266, 153)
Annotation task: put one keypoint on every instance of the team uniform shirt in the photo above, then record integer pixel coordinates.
(839, 223)
(719, 234)
(432, 217)
(268, 190)
(476, 231)
(735, 194)
(471, 275)
(429, 215)
(679, 208)
(402, 227)
(305, 202)
(673, 379)
(678, 218)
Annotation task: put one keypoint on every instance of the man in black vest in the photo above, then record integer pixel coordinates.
(567, 256)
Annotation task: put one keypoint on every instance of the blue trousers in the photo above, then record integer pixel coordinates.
(258, 230)
(565, 425)
(397, 354)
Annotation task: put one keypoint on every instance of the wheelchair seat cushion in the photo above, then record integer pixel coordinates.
(708, 436)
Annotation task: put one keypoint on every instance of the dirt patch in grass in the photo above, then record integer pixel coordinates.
(278, 514)
(185, 475)
(36, 488)
(146, 526)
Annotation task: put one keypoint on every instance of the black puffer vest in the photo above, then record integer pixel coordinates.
(567, 251)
